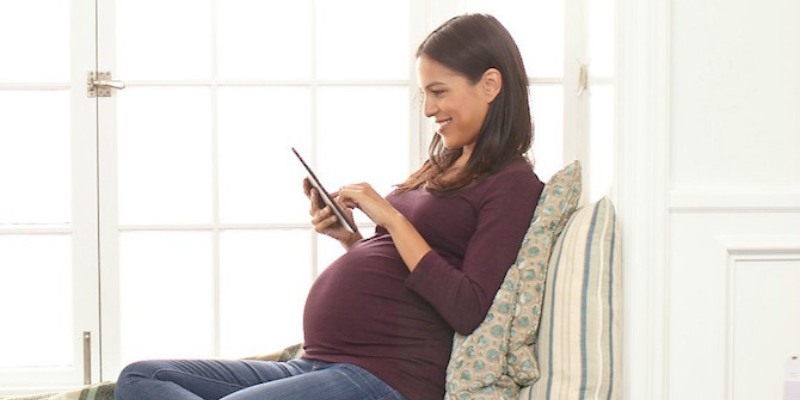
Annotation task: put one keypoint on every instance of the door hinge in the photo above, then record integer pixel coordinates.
(100, 84)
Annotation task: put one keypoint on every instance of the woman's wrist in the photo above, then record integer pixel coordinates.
(396, 221)
(349, 241)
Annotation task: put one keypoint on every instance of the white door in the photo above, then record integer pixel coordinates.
(206, 246)
(48, 196)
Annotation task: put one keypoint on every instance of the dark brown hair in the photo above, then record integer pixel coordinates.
(471, 44)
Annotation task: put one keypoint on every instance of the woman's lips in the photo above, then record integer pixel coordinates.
(441, 124)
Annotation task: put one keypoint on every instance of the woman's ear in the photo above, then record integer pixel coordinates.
(491, 83)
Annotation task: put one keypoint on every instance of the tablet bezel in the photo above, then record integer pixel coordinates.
(326, 197)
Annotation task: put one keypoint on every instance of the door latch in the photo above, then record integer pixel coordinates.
(100, 84)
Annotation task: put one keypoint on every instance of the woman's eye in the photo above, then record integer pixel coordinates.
(437, 93)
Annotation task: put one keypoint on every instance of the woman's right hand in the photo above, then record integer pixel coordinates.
(325, 221)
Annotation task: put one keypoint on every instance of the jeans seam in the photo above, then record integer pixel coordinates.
(391, 393)
(229, 384)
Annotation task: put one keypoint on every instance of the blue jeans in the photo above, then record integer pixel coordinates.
(249, 380)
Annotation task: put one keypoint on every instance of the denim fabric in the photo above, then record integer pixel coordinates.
(249, 380)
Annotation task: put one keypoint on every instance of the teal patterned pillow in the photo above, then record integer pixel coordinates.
(477, 362)
(558, 202)
(497, 358)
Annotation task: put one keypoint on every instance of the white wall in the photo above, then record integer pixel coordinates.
(710, 92)
(734, 210)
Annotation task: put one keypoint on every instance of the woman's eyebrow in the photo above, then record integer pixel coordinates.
(432, 84)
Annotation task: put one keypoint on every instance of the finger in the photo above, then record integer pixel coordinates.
(350, 195)
(316, 206)
(346, 202)
(320, 215)
(350, 204)
(345, 193)
(324, 224)
(316, 199)
(327, 230)
(306, 186)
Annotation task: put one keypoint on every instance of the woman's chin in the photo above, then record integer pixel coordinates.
(448, 144)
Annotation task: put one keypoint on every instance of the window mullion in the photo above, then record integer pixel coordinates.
(576, 101)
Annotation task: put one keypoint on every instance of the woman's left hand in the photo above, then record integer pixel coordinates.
(366, 199)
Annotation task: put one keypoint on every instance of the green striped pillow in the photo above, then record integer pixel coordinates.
(579, 342)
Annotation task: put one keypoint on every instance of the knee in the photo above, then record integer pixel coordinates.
(140, 369)
(133, 374)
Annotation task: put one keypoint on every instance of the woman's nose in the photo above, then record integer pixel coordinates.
(429, 107)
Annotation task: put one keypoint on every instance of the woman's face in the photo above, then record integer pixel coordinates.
(457, 106)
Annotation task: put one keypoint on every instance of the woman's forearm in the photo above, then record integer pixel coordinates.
(410, 244)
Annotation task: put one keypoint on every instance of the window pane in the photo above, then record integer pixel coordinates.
(601, 141)
(601, 38)
(547, 106)
(35, 271)
(350, 46)
(260, 178)
(166, 295)
(363, 137)
(164, 39)
(164, 156)
(34, 157)
(253, 42)
(537, 27)
(265, 277)
(34, 41)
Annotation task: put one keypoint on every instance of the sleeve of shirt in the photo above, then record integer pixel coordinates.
(463, 297)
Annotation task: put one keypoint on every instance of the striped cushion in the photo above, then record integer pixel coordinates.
(579, 343)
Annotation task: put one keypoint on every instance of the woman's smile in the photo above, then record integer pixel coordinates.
(441, 124)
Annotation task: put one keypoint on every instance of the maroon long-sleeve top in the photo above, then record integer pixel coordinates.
(368, 309)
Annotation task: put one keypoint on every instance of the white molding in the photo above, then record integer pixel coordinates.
(107, 187)
(773, 248)
(641, 191)
(770, 246)
(24, 229)
(728, 199)
(34, 86)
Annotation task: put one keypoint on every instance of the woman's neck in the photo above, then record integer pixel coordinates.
(463, 158)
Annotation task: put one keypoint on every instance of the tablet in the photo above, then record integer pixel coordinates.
(326, 198)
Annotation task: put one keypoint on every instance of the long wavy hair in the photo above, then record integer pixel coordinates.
(469, 45)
